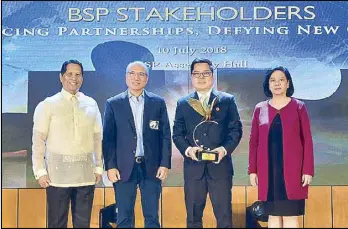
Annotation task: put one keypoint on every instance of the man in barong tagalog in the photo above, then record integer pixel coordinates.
(207, 129)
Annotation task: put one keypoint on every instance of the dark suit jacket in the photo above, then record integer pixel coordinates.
(120, 139)
(297, 142)
(226, 114)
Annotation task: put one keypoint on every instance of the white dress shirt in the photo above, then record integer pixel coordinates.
(67, 137)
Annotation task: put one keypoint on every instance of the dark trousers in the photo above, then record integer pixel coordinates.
(58, 200)
(126, 192)
(220, 195)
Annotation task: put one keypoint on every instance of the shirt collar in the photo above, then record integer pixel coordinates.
(68, 96)
(200, 95)
(130, 95)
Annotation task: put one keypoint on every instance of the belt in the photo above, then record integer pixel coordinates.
(139, 160)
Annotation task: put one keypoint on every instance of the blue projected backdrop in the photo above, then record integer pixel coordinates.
(243, 39)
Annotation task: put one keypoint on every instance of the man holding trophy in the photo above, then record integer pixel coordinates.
(207, 129)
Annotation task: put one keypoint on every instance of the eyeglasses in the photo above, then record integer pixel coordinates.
(199, 74)
(132, 74)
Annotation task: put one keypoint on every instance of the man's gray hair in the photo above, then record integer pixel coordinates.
(138, 63)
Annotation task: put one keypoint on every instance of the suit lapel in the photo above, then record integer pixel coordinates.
(147, 109)
(128, 111)
(195, 95)
(213, 94)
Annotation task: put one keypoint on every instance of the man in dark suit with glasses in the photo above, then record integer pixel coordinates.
(207, 129)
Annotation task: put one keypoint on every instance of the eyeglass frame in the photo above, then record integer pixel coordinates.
(133, 74)
(201, 74)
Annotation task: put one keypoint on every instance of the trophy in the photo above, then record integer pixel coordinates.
(206, 134)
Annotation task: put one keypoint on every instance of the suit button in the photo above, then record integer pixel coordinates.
(135, 137)
(205, 134)
(134, 151)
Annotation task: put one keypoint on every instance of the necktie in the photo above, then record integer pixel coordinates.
(205, 101)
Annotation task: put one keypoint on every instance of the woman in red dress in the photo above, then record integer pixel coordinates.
(281, 160)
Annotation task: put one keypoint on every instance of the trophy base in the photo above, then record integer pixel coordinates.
(205, 155)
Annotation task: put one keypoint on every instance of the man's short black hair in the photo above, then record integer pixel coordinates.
(65, 65)
(201, 60)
